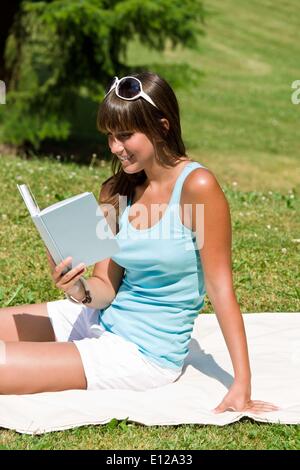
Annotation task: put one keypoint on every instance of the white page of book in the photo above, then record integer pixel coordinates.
(29, 200)
(62, 203)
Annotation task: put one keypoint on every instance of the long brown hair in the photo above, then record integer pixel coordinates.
(117, 115)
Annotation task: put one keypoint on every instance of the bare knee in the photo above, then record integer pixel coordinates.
(26, 323)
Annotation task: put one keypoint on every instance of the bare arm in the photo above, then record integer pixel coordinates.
(103, 284)
(215, 255)
(217, 267)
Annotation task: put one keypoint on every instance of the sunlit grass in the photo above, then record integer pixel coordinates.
(238, 120)
(265, 234)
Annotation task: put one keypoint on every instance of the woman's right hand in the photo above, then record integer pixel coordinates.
(67, 281)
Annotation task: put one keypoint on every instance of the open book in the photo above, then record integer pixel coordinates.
(73, 227)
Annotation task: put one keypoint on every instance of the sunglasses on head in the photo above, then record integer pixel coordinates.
(128, 88)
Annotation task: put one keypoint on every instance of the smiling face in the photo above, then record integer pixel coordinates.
(134, 150)
(150, 135)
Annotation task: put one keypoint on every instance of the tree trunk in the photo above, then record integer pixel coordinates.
(6, 21)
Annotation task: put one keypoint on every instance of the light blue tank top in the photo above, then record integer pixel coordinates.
(163, 287)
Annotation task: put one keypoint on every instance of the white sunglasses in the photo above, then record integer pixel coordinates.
(128, 88)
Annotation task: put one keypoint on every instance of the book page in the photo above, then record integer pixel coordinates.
(62, 203)
(29, 199)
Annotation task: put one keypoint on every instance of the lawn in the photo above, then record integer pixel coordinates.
(237, 117)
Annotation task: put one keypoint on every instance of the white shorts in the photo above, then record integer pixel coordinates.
(109, 360)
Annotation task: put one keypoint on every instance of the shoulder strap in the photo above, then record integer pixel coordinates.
(175, 198)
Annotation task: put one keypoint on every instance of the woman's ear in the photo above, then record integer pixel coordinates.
(166, 125)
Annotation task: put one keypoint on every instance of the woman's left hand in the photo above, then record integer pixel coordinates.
(238, 399)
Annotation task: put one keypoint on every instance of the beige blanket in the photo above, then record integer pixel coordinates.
(274, 347)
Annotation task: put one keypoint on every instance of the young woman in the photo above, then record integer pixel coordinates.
(129, 324)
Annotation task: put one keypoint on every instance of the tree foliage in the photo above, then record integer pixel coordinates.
(60, 50)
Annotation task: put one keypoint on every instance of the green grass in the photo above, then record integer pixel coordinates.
(244, 434)
(265, 280)
(238, 120)
(235, 91)
(265, 225)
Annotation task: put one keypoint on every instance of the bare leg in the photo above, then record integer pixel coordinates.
(26, 323)
(32, 367)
